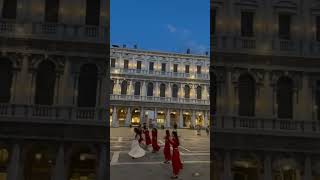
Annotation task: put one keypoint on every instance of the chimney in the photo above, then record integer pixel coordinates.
(124, 46)
(188, 51)
(135, 46)
(115, 46)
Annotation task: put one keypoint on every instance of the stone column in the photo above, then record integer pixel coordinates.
(144, 88)
(307, 169)
(142, 119)
(14, 165)
(181, 118)
(206, 123)
(168, 90)
(155, 115)
(227, 174)
(59, 168)
(130, 89)
(115, 122)
(267, 168)
(193, 119)
(102, 167)
(128, 118)
(168, 120)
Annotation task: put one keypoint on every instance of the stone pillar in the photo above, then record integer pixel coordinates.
(155, 115)
(267, 168)
(115, 122)
(14, 164)
(227, 174)
(193, 119)
(128, 118)
(181, 118)
(142, 119)
(168, 90)
(144, 88)
(307, 169)
(59, 168)
(130, 89)
(102, 167)
(206, 123)
(167, 123)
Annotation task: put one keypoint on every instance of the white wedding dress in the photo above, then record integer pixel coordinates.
(136, 151)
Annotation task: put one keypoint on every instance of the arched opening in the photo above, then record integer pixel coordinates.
(199, 92)
(45, 83)
(87, 89)
(285, 98)
(174, 118)
(150, 89)
(135, 117)
(246, 95)
(124, 87)
(122, 116)
(112, 87)
(137, 87)
(83, 165)
(200, 119)
(162, 90)
(246, 168)
(4, 161)
(186, 91)
(6, 75)
(175, 91)
(39, 163)
(161, 118)
(286, 169)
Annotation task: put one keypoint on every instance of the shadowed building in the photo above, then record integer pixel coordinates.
(158, 88)
(265, 97)
(53, 89)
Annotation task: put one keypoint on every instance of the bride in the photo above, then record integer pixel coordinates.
(136, 151)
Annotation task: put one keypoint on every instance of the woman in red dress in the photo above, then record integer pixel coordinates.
(146, 135)
(155, 145)
(166, 150)
(176, 162)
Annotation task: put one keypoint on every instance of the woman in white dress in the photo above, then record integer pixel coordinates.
(136, 151)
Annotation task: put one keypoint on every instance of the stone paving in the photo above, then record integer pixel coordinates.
(194, 149)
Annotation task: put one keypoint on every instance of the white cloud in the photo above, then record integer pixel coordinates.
(171, 28)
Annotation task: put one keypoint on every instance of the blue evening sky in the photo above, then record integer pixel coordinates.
(161, 25)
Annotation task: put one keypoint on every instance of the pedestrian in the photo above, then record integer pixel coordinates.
(176, 161)
(136, 151)
(166, 149)
(207, 130)
(146, 135)
(155, 145)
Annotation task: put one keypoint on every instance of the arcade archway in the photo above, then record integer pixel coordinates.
(135, 117)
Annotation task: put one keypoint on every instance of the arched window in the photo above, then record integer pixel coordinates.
(45, 83)
(9, 9)
(83, 164)
(124, 87)
(112, 87)
(246, 95)
(213, 92)
(137, 87)
(150, 89)
(93, 12)
(199, 92)
(51, 11)
(187, 92)
(285, 98)
(162, 90)
(5, 80)
(175, 91)
(318, 99)
(88, 85)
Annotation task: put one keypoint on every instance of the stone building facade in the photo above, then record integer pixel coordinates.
(265, 95)
(53, 88)
(158, 87)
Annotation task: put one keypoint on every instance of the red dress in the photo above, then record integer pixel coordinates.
(176, 162)
(166, 149)
(155, 145)
(147, 136)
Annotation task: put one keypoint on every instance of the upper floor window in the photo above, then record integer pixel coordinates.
(137, 87)
(93, 12)
(163, 67)
(247, 19)
(284, 26)
(139, 65)
(175, 68)
(151, 66)
(198, 69)
(318, 28)
(199, 92)
(9, 9)
(126, 64)
(51, 11)
(213, 18)
(187, 69)
(113, 62)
